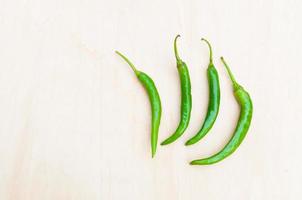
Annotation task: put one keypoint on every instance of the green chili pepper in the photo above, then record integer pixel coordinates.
(155, 102)
(214, 100)
(186, 99)
(246, 105)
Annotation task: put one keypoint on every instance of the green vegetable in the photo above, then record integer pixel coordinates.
(245, 103)
(154, 99)
(186, 99)
(214, 100)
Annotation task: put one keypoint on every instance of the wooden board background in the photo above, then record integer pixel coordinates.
(74, 121)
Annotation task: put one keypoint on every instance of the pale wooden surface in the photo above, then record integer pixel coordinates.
(74, 121)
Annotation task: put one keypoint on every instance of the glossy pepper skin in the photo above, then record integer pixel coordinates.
(243, 124)
(186, 98)
(154, 99)
(214, 100)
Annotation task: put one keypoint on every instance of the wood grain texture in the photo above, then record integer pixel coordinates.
(75, 122)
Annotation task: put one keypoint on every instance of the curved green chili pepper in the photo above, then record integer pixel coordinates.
(154, 98)
(246, 105)
(186, 99)
(214, 100)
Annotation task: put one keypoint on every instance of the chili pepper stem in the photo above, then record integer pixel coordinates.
(128, 61)
(175, 48)
(235, 84)
(210, 47)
